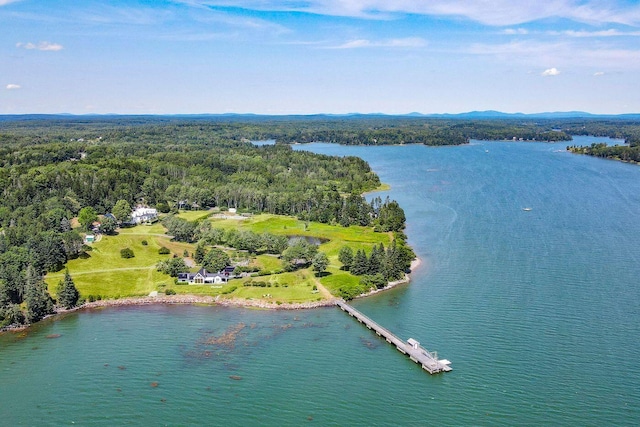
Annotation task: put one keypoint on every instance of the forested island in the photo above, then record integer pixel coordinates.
(223, 202)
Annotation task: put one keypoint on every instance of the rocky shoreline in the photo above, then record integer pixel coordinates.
(209, 300)
(414, 265)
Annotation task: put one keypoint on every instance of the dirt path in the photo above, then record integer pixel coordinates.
(323, 291)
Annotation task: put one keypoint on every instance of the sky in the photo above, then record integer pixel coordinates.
(319, 56)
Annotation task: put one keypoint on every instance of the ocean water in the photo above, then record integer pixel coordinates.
(538, 310)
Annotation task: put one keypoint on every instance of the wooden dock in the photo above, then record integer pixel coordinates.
(411, 347)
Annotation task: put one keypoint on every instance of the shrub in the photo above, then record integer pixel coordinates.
(169, 292)
(144, 243)
(126, 253)
(164, 251)
(247, 269)
(375, 280)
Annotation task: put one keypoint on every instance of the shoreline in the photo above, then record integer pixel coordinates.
(407, 278)
(213, 301)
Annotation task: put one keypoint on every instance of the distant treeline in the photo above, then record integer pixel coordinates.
(627, 130)
(349, 130)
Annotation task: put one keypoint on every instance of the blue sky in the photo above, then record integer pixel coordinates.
(319, 56)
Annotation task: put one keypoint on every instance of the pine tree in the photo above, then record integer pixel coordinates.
(39, 302)
(360, 263)
(345, 256)
(68, 294)
(375, 260)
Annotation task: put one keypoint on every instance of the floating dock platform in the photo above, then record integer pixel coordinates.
(412, 348)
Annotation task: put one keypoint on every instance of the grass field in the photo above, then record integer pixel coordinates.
(104, 273)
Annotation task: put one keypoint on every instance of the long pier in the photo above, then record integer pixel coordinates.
(411, 347)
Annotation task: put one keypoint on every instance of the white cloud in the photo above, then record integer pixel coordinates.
(515, 31)
(494, 12)
(550, 72)
(6, 2)
(408, 42)
(44, 46)
(598, 74)
(12, 86)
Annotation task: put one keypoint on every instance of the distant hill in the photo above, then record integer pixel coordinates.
(492, 114)
(471, 115)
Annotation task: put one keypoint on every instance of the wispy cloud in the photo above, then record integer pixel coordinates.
(550, 72)
(408, 42)
(44, 46)
(12, 86)
(6, 2)
(106, 14)
(495, 12)
(599, 74)
(560, 53)
(601, 33)
(208, 16)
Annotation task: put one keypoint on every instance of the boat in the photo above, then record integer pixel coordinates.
(526, 209)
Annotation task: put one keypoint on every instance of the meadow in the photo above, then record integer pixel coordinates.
(104, 274)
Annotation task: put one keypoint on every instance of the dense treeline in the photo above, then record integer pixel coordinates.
(616, 152)
(350, 130)
(51, 175)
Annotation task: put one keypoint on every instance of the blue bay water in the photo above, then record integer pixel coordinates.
(539, 312)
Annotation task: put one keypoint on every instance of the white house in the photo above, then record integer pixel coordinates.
(141, 215)
(204, 277)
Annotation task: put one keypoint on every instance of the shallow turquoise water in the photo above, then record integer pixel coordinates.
(538, 311)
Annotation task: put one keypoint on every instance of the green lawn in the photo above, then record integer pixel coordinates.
(155, 228)
(268, 262)
(355, 236)
(194, 215)
(106, 274)
(286, 287)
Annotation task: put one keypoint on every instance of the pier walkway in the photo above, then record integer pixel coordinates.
(411, 347)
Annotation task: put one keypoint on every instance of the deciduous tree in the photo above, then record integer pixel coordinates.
(320, 262)
(215, 260)
(87, 216)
